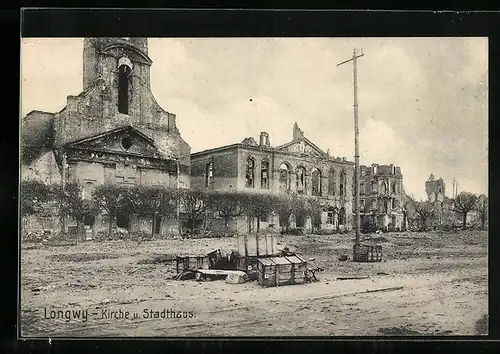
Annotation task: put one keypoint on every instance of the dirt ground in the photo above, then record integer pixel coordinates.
(438, 286)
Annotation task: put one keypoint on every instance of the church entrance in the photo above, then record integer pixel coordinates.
(122, 220)
(300, 221)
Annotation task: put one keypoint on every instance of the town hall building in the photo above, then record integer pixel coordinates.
(298, 166)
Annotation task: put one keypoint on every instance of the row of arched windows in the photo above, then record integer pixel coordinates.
(384, 187)
(250, 174)
(285, 172)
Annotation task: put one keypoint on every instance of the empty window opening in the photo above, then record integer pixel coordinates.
(127, 143)
(264, 175)
(250, 173)
(384, 188)
(316, 183)
(209, 169)
(123, 89)
(331, 182)
(342, 184)
(284, 178)
(330, 216)
(301, 180)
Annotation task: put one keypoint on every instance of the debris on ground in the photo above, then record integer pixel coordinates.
(343, 258)
(212, 274)
(237, 277)
(185, 275)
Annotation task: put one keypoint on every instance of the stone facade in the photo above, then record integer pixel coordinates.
(298, 166)
(114, 131)
(382, 196)
(435, 189)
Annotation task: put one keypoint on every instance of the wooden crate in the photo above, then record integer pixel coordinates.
(253, 245)
(189, 263)
(367, 253)
(248, 265)
(279, 271)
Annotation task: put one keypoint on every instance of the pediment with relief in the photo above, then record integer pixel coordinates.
(123, 140)
(302, 146)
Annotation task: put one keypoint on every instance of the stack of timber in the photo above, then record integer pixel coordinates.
(367, 253)
(252, 247)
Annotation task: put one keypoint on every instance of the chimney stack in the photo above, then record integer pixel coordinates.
(264, 139)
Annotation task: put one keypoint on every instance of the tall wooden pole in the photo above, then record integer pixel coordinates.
(354, 58)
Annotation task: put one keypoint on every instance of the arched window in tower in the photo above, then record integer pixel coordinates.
(264, 175)
(332, 185)
(301, 180)
(316, 182)
(384, 187)
(284, 177)
(209, 174)
(123, 88)
(342, 184)
(393, 187)
(250, 173)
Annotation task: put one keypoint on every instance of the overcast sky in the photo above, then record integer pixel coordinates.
(423, 102)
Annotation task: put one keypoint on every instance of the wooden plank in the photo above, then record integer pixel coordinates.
(352, 278)
(251, 245)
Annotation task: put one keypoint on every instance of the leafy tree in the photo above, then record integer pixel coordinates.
(314, 209)
(463, 204)
(195, 203)
(73, 204)
(113, 198)
(424, 211)
(257, 205)
(482, 207)
(227, 204)
(153, 201)
(34, 196)
(292, 204)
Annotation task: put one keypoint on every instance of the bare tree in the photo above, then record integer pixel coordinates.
(463, 204)
(482, 207)
(424, 210)
(258, 205)
(195, 203)
(74, 205)
(113, 199)
(227, 204)
(153, 201)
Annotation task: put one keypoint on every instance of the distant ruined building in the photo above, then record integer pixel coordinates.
(435, 189)
(382, 196)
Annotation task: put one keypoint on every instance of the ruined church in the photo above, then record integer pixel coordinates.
(114, 131)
